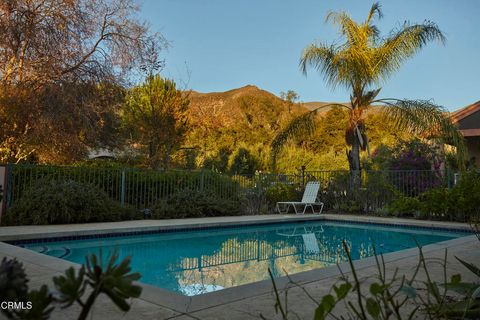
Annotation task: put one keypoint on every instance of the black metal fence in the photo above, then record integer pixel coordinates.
(142, 188)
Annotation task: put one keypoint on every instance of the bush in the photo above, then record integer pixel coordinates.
(461, 203)
(404, 206)
(281, 192)
(243, 162)
(350, 206)
(219, 161)
(435, 204)
(338, 194)
(188, 203)
(59, 202)
(414, 166)
(376, 192)
(143, 188)
(373, 193)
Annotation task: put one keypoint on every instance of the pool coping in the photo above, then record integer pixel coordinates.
(184, 304)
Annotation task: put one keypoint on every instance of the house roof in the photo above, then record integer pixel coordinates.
(465, 112)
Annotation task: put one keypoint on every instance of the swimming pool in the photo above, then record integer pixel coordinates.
(198, 261)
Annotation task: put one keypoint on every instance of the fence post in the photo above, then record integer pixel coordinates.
(122, 189)
(303, 175)
(3, 190)
(202, 181)
(449, 180)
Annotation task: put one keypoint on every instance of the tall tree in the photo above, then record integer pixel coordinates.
(361, 63)
(62, 63)
(290, 97)
(155, 115)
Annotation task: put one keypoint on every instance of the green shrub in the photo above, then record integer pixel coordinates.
(386, 294)
(373, 193)
(404, 206)
(143, 188)
(281, 192)
(242, 161)
(188, 203)
(435, 204)
(58, 202)
(113, 279)
(338, 191)
(461, 203)
(376, 191)
(464, 198)
(350, 206)
(218, 161)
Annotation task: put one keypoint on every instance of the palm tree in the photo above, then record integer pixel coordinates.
(361, 63)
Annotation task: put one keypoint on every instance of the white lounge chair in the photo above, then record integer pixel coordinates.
(309, 199)
(299, 231)
(311, 243)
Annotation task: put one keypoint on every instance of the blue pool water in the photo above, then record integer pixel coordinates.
(195, 262)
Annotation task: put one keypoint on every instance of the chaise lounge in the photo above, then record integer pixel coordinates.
(309, 199)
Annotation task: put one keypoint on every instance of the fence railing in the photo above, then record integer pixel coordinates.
(144, 188)
(140, 188)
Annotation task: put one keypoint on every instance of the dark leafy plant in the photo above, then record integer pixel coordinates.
(435, 203)
(393, 295)
(13, 283)
(218, 161)
(243, 162)
(468, 307)
(281, 192)
(461, 203)
(404, 206)
(56, 202)
(195, 203)
(112, 279)
(14, 288)
(41, 300)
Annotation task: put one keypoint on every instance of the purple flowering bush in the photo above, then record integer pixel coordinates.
(413, 166)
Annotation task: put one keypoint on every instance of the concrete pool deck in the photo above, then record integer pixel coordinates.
(242, 302)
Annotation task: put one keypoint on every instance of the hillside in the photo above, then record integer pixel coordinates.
(238, 126)
(219, 109)
(226, 109)
(225, 123)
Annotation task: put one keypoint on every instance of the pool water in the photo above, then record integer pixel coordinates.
(200, 261)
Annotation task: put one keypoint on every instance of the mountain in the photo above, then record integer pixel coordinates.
(316, 104)
(236, 127)
(226, 109)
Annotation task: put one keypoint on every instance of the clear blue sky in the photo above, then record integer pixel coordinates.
(219, 45)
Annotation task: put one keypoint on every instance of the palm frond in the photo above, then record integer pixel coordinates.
(422, 117)
(322, 58)
(348, 27)
(375, 9)
(403, 44)
(300, 126)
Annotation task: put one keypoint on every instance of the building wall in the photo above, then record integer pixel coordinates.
(470, 122)
(473, 145)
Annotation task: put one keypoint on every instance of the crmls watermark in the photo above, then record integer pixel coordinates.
(15, 305)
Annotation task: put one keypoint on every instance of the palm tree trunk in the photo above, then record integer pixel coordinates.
(354, 155)
(354, 163)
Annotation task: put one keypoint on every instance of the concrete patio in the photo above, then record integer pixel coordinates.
(242, 302)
